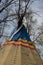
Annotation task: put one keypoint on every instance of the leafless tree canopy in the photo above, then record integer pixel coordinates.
(11, 10)
(18, 12)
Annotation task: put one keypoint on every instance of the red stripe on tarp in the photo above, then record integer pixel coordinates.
(19, 45)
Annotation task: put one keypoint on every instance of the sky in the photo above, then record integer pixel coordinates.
(37, 6)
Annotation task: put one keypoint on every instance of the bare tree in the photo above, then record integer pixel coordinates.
(15, 9)
(0, 0)
(20, 13)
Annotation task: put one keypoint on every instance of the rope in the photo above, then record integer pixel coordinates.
(15, 32)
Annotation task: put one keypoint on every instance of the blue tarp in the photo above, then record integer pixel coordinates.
(21, 34)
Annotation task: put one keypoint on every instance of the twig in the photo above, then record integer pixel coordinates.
(6, 6)
(37, 37)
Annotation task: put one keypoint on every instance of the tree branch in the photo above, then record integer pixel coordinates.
(22, 15)
(0, 0)
(37, 37)
(6, 6)
(19, 10)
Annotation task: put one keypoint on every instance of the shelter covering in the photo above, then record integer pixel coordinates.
(19, 51)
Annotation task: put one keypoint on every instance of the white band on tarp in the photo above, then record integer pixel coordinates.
(15, 32)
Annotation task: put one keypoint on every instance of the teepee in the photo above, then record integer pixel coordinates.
(19, 50)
